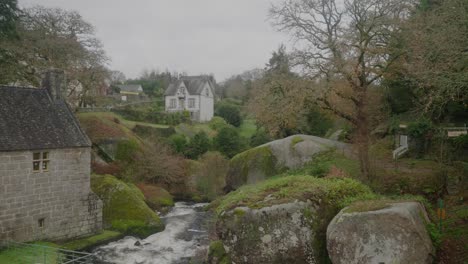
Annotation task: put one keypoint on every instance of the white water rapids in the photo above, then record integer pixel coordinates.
(185, 235)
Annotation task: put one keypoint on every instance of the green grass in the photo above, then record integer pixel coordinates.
(48, 253)
(248, 128)
(189, 130)
(83, 243)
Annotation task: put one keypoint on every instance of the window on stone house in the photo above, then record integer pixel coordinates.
(172, 103)
(41, 222)
(41, 161)
(191, 102)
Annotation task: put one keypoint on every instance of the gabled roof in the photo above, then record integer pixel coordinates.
(132, 88)
(31, 120)
(194, 85)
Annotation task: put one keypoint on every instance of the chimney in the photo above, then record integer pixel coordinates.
(54, 82)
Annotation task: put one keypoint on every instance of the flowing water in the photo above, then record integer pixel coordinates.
(185, 235)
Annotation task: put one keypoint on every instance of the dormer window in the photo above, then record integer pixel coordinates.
(41, 161)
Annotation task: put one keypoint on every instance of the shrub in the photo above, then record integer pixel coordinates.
(230, 113)
(178, 143)
(210, 175)
(259, 138)
(217, 123)
(198, 145)
(228, 141)
(126, 149)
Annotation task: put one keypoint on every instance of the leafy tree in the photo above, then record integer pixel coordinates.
(228, 141)
(198, 145)
(229, 112)
(8, 17)
(347, 46)
(55, 38)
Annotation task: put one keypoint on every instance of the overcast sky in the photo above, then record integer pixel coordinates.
(223, 37)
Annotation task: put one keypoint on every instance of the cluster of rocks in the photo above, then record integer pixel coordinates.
(288, 233)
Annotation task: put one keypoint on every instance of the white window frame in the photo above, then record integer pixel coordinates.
(172, 103)
(41, 161)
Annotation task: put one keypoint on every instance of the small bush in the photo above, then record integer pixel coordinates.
(126, 149)
(178, 142)
(217, 123)
(210, 175)
(198, 145)
(259, 138)
(230, 113)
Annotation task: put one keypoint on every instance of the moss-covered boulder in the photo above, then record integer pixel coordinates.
(124, 207)
(155, 196)
(217, 254)
(283, 219)
(394, 232)
(264, 161)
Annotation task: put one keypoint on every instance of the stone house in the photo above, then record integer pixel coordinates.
(194, 94)
(44, 166)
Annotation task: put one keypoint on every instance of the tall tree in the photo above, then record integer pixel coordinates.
(345, 45)
(8, 17)
(436, 44)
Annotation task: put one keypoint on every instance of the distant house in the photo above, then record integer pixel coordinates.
(131, 92)
(44, 166)
(194, 94)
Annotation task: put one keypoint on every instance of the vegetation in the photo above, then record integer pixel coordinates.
(124, 208)
(228, 141)
(229, 112)
(217, 253)
(290, 188)
(32, 254)
(209, 175)
(156, 197)
(91, 241)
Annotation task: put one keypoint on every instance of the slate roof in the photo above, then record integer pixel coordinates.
(31, 120)
(133, 88)
(194, 85)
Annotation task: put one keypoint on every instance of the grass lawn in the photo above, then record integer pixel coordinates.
(247, 128)
(190, 130)
(46, 254)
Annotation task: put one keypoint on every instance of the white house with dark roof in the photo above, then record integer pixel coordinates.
(194, 94)
(44, 166)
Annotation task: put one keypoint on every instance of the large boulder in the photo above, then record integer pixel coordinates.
(282, 220)
(125, 209)
(259, 163)
(380, 232)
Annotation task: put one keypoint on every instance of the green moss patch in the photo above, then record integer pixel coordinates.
(92, 241)
(295, 140)
(217, 253)
(288, 188)
(259, 159)
(124, 207)
(155, 196)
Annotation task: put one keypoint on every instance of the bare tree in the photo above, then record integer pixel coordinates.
(346, 43)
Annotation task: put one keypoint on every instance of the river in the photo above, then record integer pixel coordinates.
(185, 237)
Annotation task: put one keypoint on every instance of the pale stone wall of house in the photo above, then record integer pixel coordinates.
(61, 196)
(206, 104)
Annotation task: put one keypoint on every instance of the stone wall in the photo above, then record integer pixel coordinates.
(56, 204)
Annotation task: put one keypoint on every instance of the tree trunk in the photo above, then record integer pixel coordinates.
(362, 136)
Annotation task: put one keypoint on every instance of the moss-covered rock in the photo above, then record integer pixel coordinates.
(155, 196)
(264, 161)
(124, 207)
(217, 254)
(283, 219)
